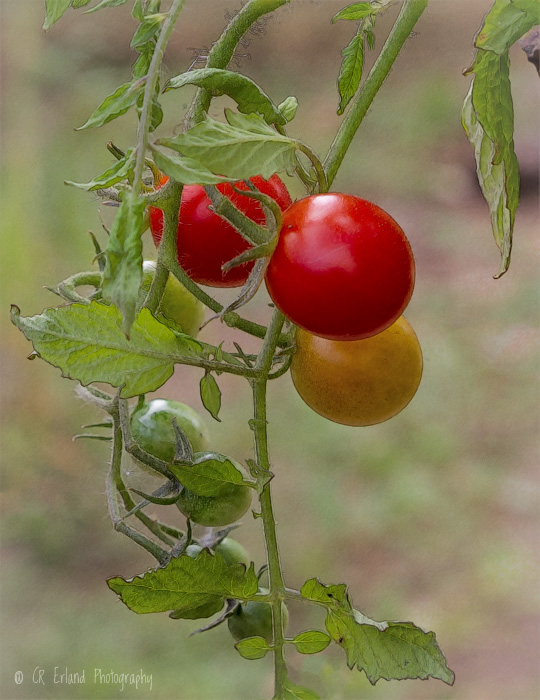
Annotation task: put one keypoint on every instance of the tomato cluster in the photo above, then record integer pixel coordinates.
(343, 271)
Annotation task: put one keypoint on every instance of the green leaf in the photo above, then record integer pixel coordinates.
(186, 583)
(209, 477)
(356, 11)
(148, 28)
(244, 147)
(200, 611)
(211, 395)
(488, 120)
(505, 23)
(122, 276)
(186, 170)
(253, 648)
(297, 692)
(116, 104)
(105, 3)
(76, 4)
(142, 64)
(121, 169)
(311, 642)
(248, 95)
(389, 650)
(54, 9)
(86, 342)
(288, 108)
(350, 73)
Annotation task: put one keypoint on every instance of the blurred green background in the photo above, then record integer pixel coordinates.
(431, 517)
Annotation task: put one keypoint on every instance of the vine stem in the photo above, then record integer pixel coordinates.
(149, 89)
(409, 15)
(259, 426)
(223, 50)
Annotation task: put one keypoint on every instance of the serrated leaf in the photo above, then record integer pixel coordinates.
(116, 173)
(389, 650)
(488, 120)
(186, 170)
(356, 11)
(148, 28)
(208, 477)
(311, 642)
(505, 23)
(245, 147)
(116, 104)
(86, 342)
(350, 73)
(252, 648)
(122, 276)
(105, 3)
(211, 395)
(288, 108)
(247, 94)
(185, 583)
(54, 9)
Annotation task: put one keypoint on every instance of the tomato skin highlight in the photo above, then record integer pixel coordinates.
(343, 269)
(205, 241)
(361, 382)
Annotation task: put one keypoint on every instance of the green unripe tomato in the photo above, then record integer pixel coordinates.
(231, 551)
(153, 429)
(253, 619)
(177, 302)
(228, 506)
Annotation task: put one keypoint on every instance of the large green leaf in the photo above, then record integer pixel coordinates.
(488, 119)
(389, 650)
(186, 583)
(87, 343)
(116, 104)
(248, 95)
(240, 149)
(188, 171)
(122, 276)
(506, 22)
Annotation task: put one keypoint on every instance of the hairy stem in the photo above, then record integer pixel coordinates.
(151, 81)
(409, 15)
(224, 48)
(277, 586)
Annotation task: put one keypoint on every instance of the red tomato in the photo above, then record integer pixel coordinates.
(342, 269)
(205, 241)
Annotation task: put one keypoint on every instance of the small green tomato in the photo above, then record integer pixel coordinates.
(177, 303)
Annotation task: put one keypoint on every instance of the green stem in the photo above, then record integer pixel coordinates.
(317, 165)
(223, 50)
(259, 425)
(151, 81)
(116, 485)
(409, 15)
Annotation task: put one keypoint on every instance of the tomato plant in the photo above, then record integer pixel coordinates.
(205, 241)
(342, 269)
(340, 272)
(360, 382)
(152, 427)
